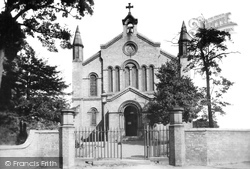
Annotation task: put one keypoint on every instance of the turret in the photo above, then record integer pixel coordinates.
(77, 68)
(183, 42)
(77, 47)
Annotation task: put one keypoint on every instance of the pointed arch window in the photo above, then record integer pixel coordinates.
(93, 84)
(144, 78)
(151, 78)
(110, 79)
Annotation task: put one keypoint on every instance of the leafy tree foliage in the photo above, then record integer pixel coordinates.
(203, 122)
(36, 77)
(8, 128)
(37, 18)
(173, 91)
(32, 89)
(205, 50)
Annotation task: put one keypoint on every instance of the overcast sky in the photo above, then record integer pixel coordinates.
(161, 21)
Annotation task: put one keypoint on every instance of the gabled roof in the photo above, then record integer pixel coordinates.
(111, 42)
(129, 89)
(118, 37)
(145, 39)
(96, 55)
(170, 56)
(140, 36)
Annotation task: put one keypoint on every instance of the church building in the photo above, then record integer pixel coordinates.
(112, 87)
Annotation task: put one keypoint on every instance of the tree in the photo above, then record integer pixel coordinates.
(205, 50)
(37, 18)
(203, 122)
(32, 89)
(173, 91)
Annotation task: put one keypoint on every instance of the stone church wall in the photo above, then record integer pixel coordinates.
(92, 67)
(83, 119)
(146, 55)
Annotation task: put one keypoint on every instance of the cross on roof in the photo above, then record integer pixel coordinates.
(129, 6)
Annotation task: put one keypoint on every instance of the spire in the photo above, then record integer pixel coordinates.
(183, 42)
(77, 40)
(184, 36)
(77, 47)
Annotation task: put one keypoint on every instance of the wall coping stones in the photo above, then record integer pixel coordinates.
(215, 129)
(27, 143)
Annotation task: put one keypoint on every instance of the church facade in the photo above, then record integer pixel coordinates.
(112, 87)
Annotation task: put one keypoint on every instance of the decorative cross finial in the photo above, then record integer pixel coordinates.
(129, 6)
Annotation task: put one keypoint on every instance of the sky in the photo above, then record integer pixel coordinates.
(161, 21)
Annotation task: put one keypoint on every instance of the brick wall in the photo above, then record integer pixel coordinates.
(216, 146)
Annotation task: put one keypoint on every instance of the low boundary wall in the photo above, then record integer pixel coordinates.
(40, 143)
(216, 146)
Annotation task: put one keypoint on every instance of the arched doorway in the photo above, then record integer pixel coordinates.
(131, 120)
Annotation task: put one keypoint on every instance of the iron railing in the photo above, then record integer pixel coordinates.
(97, 143)
(100, 144)
(156, 142)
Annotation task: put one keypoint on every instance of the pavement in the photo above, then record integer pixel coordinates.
(133, 158)
(147, 164)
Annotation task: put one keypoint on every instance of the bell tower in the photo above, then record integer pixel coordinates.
(183, 58)
(129, 23)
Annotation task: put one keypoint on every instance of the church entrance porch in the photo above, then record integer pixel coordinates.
(131, 121)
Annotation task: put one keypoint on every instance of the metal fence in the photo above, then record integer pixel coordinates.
(100, 144)
(156, 142)
(97, 143)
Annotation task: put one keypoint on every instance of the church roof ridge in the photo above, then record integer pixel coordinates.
(111, 42)
(129, 89)
(169, 55)
(93, 57)
(149, 41)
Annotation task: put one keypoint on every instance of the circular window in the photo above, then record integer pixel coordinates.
(130, 48)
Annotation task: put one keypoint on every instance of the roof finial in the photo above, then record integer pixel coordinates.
(77, 29)
(183, 27)
(129, 7)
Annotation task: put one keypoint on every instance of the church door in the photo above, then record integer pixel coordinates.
(131, 121)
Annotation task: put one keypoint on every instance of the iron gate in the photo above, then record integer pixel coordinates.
(100, 144)
(156, 142)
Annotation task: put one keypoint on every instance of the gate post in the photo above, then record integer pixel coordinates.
(67, 139)
(176, 138)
